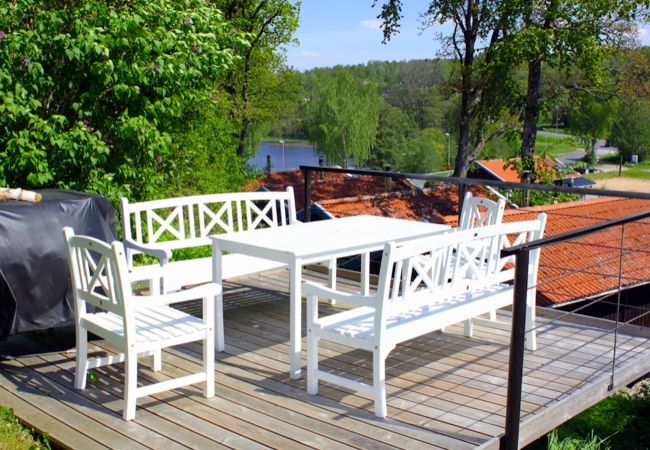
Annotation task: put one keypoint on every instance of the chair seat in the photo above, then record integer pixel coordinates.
(194, 271)
(359, 323)
(153, 325)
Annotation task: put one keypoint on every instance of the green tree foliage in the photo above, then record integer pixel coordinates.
(395, 130)
(630, 131)
(259, 85)
(91, 95)
(427, 152)
(478, 26)
(342, 116)
(590, 119)
(572, 34)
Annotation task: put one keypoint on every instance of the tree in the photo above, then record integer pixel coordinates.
(342, 116)
(479, 25)
(630, 131)
(253, 85)
(426, 152)
(91, 95)
(394, 130)
(567, 33)
(590, 119)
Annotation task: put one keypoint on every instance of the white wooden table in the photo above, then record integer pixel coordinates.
(308, 243)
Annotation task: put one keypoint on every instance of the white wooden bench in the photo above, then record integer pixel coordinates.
(418, 292)
(158, 227)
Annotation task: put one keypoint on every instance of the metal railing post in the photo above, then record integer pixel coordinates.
(510, 440)
(307, 195)
(462, 190)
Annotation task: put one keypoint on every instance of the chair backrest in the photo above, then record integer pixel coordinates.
(424, 269)
(188, 221)
(98, 273)
(479, 212)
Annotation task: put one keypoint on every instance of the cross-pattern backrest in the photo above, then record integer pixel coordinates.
(479, 212)
(96, 270)
(188, 221)
(438, 267)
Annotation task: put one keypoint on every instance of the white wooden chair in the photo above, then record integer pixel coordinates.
(135, 325)
(416, 296)
(480, 212)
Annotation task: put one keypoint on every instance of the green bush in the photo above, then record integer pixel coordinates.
(91, 92)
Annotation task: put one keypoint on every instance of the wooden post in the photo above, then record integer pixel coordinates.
(307, 195)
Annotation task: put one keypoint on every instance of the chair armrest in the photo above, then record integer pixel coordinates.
(162, 254)
(310, 288)
(208, 290)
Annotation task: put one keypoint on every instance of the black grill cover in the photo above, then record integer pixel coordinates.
(34, 277)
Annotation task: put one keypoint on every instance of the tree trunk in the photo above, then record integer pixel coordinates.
(531, 111)
(464, 132)
(246, 122)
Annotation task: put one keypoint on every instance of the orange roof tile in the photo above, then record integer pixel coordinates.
(505, 172)
(432, 204)
(571, 271)
(588, 267)
(333, 185)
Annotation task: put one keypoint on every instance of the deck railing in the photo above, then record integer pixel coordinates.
(511, 438)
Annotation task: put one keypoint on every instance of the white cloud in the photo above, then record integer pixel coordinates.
(371, 24)
(643, 34)
(309, 54)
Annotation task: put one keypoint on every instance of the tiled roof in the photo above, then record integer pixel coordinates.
(332, 185)
(432, 204)
(572, 271)
(500, 169)
(589, 266)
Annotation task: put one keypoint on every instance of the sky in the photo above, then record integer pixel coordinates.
(347, 32)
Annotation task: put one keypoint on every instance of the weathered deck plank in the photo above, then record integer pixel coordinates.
(444, 390)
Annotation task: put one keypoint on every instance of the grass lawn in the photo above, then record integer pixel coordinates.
(13, 435)
(556, 146)
(641, 171)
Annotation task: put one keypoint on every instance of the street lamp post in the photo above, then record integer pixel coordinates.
(282, 142)
(448, 151)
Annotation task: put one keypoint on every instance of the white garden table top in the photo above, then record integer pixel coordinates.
(306, 243)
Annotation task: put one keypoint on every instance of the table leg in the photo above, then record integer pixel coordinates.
(217, 277)
(295, 288)
(365, 274)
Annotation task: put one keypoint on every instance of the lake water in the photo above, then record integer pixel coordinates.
(295, 154)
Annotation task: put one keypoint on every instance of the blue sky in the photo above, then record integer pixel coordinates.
(347, 32)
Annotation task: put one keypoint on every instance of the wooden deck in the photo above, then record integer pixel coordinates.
(444, 390)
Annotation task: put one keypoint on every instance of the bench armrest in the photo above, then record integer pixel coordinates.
(310, 288)
(207, 290)
(162, 254)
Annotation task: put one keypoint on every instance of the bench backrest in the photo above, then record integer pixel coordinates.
(479, 212)
(98, 270)
(188, 221)
(424, 270)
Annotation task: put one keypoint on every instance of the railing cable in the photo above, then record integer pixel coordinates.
(618, 307)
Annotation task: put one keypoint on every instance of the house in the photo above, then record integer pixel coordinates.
(502, 170)
(570, 273)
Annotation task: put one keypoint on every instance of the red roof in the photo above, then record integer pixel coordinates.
(332, 186)
(572, 271)
(503, 171)
(432, 204)
(589, 266)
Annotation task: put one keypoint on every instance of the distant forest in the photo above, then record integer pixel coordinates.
(410, 106)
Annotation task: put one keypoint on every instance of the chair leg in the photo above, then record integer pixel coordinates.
(312, 363)
(130, 384)
(82, 358)
(469, 328)
(156, 364)
(208, 364)
(331, 264)
(379, 382)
